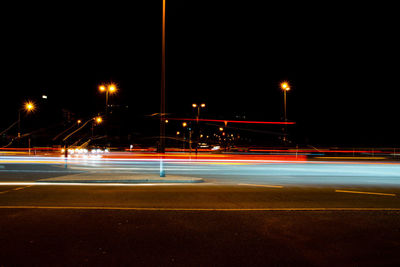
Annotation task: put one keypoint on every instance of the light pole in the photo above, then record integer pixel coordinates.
(194, 105)
(162, 102)
(108, 89)
(285, 87)
(198, 109)
(184, 125)
(28, 107)
(96, 120)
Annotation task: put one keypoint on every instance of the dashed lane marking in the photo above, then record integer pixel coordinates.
(15, 189)
(367, 193)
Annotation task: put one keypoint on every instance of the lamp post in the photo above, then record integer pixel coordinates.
(96, 120)
(285, 87)
(28, 107)
(108, 89)
(194, 105)
(184, 125)
(162, 94)
(198, 109)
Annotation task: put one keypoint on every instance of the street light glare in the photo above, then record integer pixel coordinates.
(285, 86)
(112, 88)
(201, 105)
(29, 106)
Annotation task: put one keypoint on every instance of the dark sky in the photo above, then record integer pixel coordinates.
(340, 59)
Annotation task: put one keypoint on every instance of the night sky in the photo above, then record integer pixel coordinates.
(341, 61)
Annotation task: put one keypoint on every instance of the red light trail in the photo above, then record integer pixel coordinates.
(233, 121)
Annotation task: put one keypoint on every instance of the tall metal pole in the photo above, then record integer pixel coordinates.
(19, 123)
(106, 101)
(284, 104)
(198, 130)
(162, 105)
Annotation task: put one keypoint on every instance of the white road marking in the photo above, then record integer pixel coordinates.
(15, 189)
(367, 193)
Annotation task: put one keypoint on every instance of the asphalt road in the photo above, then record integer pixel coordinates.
(244, 214)
(192, 225)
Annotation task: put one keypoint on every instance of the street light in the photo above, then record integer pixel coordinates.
(99, 120)
(162, 102)
(29, 106)
(194, 105)
(184, 124)
(108, 89)
(285, 87)
(96, 120)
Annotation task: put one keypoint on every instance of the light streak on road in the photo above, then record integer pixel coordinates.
(196, 209)
(30, 184)
(231, 169)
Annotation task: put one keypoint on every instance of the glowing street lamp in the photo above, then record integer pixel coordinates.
(194, 105)
(96, 121)
(112, 88)
(29, 106)
(285, 87)
(108, 89)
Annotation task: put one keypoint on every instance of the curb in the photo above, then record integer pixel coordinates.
(199, 180)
